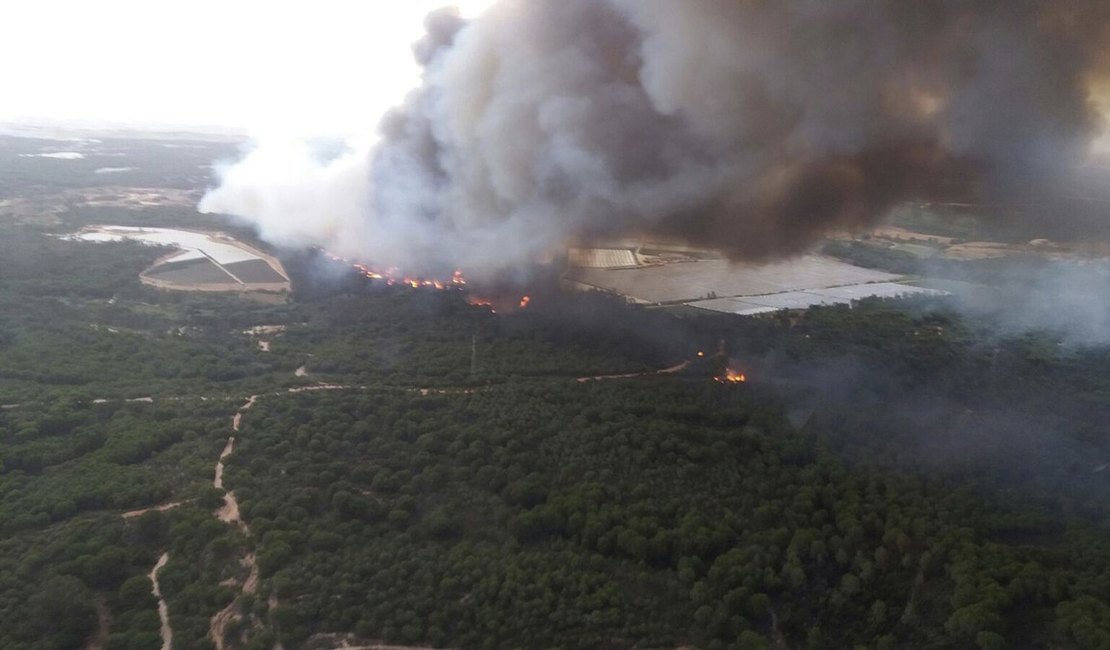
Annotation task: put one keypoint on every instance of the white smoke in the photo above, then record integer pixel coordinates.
(294, 198)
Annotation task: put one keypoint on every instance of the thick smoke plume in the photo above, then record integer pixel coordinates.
(751, 126)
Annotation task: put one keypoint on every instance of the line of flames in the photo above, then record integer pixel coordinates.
(394, 276)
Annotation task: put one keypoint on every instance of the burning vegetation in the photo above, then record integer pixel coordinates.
(732, 377)
(499, 301)
(718, 365)
(495, 302)
(394, 276)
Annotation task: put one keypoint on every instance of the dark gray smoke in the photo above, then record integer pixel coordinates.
(751, 126)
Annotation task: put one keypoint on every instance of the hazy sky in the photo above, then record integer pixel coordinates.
(317, 66)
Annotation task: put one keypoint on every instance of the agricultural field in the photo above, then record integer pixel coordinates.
(703, 280)
(203, 261)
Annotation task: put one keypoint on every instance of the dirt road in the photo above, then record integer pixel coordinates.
(131, 514)
(229, 514)
(163, 609)
(218, 480)
(631, 375)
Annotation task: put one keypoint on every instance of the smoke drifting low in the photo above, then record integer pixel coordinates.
(750, 126)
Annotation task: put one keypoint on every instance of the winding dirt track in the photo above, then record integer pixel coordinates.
(131, 514)
(218, 481)
(229, 514)
(632, 375)
(163, 609)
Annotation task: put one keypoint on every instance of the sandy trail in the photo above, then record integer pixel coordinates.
(229, 514)
(131, 514)
(665, 371)
(229, 511)
(218, 627)
(220, 621)
(163, 609)
(309, 389)
(218, 480)
(206, 398)
(266, 329)
(235, 420)
(251, 584)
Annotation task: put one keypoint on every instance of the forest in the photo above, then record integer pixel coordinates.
(411, 469)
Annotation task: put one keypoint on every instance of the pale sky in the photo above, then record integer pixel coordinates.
(289, 67)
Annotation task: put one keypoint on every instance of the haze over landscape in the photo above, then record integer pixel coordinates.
(555, 323)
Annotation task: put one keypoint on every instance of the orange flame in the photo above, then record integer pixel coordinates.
(393, 276)
(732, 377)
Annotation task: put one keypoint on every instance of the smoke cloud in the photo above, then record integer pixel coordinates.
(749, 126)
(1062, 299)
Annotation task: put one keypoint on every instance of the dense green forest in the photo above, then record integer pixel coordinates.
(416, 470)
